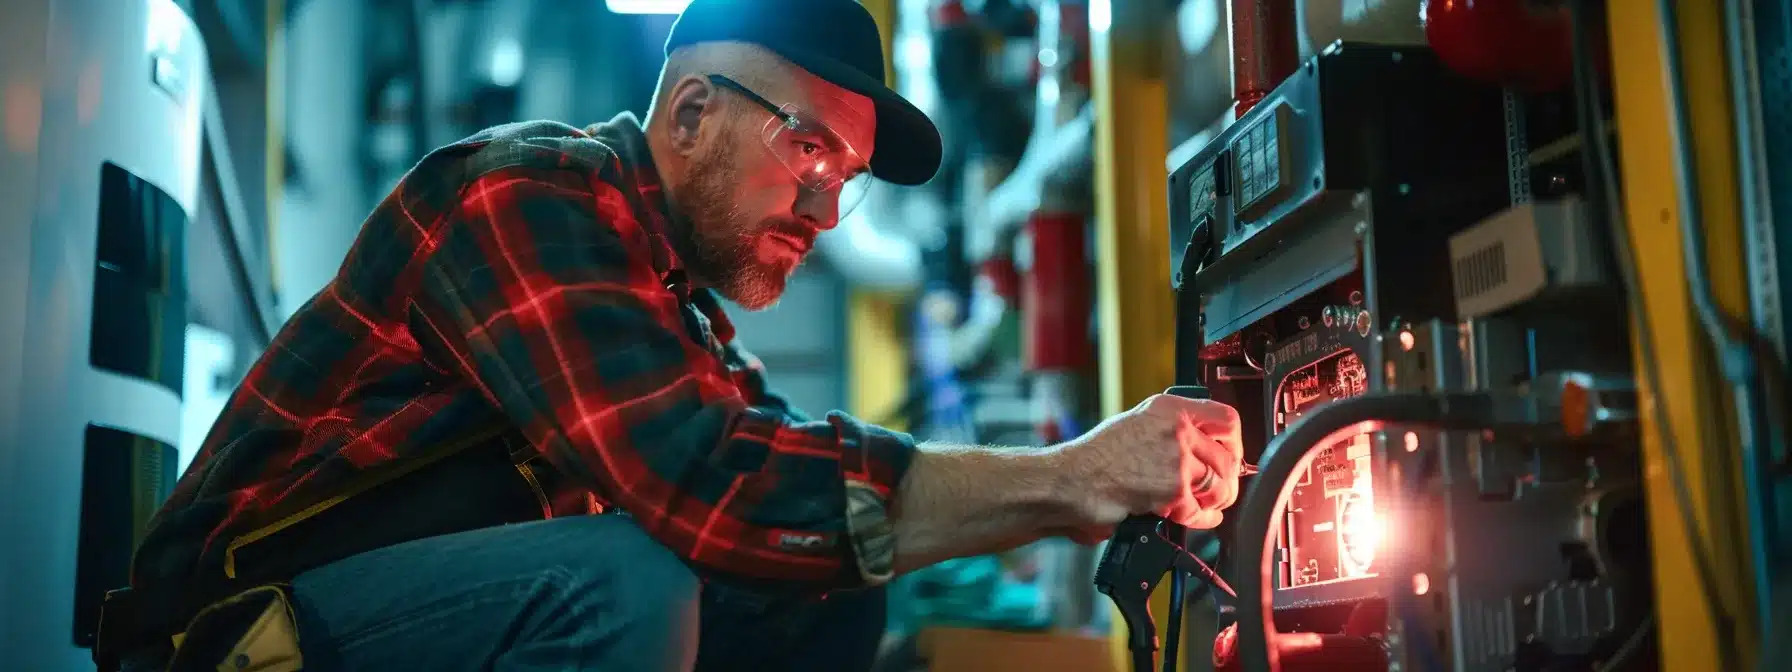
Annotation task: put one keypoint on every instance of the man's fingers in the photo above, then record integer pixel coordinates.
(1211, 418)
(1206, 519)
(1205, 488)
(1214, 418)
(1217, 419)
(1192, 515)
(1213, 493)
(1212, 457)
(1182, 510)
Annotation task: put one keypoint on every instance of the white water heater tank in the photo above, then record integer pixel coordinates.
(100, 148)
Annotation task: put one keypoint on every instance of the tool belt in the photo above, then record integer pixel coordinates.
(243, 619)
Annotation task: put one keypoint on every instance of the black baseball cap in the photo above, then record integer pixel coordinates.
(836, 40)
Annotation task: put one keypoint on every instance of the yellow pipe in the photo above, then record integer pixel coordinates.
(1133, 298)
(877, 363)
(1131, 209)
(1693, 397)
(877, 360)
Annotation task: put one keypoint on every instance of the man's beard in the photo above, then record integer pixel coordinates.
(724, 247)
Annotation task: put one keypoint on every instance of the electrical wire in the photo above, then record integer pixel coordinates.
(1178, 602)
(1599, 197)
(1290, 452)
(1142, 659)
(1208, 550)
(1605, 176)
(1739, 18)
(1737, 347)
(1615, 224)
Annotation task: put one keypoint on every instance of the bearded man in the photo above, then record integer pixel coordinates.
(515, 431)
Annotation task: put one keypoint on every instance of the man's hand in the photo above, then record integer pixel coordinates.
(1172, 456)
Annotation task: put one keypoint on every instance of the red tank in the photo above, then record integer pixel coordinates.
(1513, 43)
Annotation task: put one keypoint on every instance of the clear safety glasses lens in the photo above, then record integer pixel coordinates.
(822, 161)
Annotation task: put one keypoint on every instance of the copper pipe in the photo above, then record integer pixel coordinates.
(1264, 50)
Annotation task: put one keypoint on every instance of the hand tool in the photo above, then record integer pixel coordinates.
(1143, 549)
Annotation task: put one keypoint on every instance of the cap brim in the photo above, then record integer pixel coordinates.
(908, 144)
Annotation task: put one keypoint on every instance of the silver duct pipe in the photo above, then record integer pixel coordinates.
(866, 250)
(1057, 160)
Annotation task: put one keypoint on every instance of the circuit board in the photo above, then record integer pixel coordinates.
(1330, 530)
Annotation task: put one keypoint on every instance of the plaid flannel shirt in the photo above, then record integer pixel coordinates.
(524, 275)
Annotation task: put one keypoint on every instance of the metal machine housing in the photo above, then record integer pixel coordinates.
(1523, 549)
(1316, 220)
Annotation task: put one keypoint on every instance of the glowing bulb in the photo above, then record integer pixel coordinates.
(1363, 532)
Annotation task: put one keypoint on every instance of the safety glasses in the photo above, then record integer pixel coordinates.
(822, 161)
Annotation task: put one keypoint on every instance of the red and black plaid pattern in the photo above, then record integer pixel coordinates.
(525, 275)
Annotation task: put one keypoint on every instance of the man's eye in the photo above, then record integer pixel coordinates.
(808, 148)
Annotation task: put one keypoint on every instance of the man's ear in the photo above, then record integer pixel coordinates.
(693, 101)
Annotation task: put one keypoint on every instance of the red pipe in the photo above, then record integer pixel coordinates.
(1073, 22)
(1056, 294)
(1003, 277)
(948, 13)
(1264, 49)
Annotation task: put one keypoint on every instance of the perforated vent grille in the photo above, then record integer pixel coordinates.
(1482, 271)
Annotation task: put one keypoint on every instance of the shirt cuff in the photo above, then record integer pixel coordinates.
(874, 461)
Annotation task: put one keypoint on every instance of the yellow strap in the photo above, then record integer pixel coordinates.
(363, 483)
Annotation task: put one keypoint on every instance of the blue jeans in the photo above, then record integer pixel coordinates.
(578, 593)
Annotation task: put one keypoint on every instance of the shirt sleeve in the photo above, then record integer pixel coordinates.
(540, 285)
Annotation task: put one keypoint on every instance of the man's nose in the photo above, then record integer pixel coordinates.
(821, 209)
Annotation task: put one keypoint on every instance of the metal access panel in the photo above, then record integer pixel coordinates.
(99, 177)
(1299, 235)
(1360, 136)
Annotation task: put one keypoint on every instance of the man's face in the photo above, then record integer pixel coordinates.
(752, 221)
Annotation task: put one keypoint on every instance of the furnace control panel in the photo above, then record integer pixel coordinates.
(1264, 169)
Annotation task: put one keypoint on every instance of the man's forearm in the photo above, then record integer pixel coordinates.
(958, 501)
